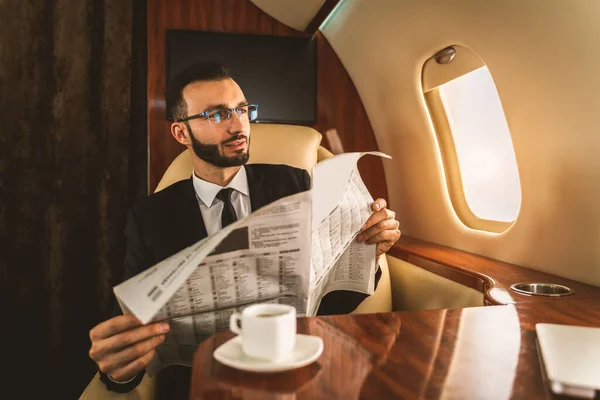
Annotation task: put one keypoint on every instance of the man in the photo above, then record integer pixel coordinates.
(211, 117)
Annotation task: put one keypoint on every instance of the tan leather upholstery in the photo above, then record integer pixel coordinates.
(415, 288)
(298, 146)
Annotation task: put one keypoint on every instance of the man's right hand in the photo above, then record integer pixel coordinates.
(123, 347)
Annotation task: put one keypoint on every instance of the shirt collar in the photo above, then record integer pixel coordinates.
(207, 191)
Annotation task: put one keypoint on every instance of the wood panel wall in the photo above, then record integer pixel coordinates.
(338, 103)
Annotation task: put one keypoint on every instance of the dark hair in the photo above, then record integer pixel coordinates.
(201, 72)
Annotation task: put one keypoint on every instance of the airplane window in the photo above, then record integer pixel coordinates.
(483, 145)
(483, 156)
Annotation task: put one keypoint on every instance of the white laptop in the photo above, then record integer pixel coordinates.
(570, 358)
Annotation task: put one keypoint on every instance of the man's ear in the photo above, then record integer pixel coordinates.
(178, 132)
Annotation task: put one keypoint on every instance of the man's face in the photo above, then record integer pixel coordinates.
(223, 144)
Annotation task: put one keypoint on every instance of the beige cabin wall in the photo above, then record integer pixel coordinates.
(295, 14)
(544, 58)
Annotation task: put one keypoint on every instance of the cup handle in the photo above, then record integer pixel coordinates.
(233, 323)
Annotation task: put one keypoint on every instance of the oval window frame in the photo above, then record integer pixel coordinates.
(434, 75)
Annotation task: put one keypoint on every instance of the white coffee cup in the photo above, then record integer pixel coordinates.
(268, 331)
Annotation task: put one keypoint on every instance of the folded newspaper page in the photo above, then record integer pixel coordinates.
(292, 251)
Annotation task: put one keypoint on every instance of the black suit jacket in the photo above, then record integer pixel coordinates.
(170, 220)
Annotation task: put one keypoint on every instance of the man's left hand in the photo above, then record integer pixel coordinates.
(381, 228)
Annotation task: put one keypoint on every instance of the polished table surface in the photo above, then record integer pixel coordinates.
(471, 353)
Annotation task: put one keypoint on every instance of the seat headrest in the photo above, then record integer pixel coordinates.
(293, 145)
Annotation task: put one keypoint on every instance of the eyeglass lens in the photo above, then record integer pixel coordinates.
(247, 111)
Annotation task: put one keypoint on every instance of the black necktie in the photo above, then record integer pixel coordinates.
(228, 216)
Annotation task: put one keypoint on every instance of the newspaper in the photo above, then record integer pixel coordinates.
(293, 251)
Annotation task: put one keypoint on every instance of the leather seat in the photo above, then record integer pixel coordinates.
(298, 146)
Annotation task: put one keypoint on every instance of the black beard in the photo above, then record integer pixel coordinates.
(210, 152)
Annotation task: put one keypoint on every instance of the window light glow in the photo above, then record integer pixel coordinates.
(485, 153)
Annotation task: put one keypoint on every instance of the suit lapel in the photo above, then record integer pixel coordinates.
(261, 194)
(189, 215)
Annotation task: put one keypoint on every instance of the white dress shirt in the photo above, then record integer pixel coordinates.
(212, 208)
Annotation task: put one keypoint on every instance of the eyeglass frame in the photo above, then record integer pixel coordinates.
(229, 114)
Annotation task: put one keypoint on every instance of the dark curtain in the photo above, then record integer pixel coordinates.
(72, 160)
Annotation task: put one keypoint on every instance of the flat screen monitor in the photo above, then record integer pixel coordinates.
(278, 73)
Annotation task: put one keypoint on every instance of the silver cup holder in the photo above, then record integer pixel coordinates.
(542, 289)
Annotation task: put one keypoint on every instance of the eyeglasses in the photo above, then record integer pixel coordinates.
(216, 116)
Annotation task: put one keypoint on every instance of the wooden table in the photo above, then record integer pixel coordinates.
(471, 353)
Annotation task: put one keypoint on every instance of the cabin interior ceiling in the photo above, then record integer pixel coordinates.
(543, 56)
(296, 14)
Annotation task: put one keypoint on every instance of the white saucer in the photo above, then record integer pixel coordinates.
(308, 348)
